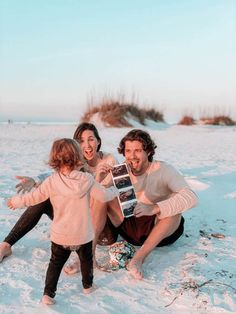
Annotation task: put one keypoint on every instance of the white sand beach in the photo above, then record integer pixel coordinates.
(197, 274)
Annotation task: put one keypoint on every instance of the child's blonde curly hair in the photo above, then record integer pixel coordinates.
(65, 152)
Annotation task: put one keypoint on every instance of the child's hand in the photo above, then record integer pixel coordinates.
(10, 204)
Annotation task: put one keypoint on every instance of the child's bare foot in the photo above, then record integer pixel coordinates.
(47, 300)
(89, 290)
(72, 268)
(135, 269)
(5, 250)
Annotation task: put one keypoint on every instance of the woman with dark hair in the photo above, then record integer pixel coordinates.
(98, 163)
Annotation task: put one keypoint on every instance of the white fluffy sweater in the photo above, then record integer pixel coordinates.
(70, 198)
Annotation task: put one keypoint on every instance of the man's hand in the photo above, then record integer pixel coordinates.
(25, 185)
(10, 204)
(102, 171)
(142, 209)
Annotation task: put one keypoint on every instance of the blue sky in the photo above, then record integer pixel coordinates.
(179, 56)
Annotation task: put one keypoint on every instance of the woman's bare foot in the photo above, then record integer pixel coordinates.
(5, 250)
(135, 269)
(47, 300)
(89, 290)
(73, 267)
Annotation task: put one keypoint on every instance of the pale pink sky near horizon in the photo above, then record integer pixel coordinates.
(176, 56)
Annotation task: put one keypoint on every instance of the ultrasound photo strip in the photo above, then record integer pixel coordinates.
(126, 198)
(123, 182)
(119, 170)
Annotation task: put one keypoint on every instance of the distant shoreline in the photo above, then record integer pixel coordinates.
(39, 122)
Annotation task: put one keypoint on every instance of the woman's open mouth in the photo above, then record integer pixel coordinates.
(88, 154)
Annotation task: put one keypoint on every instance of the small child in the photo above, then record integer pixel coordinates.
(69, 190)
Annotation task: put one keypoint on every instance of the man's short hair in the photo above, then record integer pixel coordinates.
(142, 136)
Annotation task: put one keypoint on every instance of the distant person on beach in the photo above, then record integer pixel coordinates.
(69, 190)
(99, 164)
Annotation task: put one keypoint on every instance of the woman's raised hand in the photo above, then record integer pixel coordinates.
(102, 171)
(25, 185)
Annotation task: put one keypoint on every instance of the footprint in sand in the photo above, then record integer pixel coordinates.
(39, 253)
(230, 195)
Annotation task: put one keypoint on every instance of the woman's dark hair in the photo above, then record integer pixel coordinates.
(139, 135)
(87, 126)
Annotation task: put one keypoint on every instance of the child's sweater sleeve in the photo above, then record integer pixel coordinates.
(34, 197)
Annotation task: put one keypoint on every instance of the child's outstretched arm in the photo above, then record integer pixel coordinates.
(37, 196)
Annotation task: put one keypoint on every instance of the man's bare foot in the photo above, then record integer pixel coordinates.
(89, 290)
(135, 269)
(72, 268)
(47, 300)
(5, 250)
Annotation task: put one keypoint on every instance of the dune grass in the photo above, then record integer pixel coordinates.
(187, 120)
(217, 120)
(117, 113)
(208, 118)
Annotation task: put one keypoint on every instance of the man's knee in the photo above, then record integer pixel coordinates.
(175, 233)
(172, 220)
